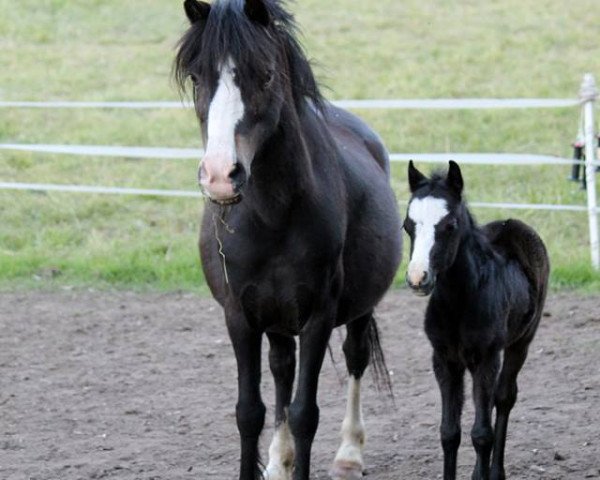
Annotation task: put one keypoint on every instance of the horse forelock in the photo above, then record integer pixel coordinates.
(229, 34)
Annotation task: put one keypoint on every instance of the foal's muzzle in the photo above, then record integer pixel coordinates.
(424, 287)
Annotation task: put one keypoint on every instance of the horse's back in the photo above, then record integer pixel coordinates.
(373, 238)
(350, 131)
(518, 241)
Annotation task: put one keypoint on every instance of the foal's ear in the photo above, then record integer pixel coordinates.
(455, 179)
(415, 178)
(196, 11)
(257, 12)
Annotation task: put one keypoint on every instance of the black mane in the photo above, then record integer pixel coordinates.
(229, 33)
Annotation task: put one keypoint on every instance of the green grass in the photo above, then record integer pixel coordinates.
(114, 50)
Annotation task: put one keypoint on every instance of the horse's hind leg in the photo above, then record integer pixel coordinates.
(282, 359)
(506, 396)
(348, 463)
(250, 410)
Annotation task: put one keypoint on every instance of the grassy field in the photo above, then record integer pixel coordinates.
(115, 50)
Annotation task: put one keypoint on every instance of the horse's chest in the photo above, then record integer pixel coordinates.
(278, 307)
(279, 278)
(463, 338)
(280, 292)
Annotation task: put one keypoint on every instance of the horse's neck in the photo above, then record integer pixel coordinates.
(283, 169)
(473, 257)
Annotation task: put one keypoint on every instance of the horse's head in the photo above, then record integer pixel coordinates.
(434, 222)
(235, 53)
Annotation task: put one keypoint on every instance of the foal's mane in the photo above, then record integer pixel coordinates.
(229, 33)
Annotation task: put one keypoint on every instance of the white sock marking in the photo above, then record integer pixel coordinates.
(353, 428)
(281, 454)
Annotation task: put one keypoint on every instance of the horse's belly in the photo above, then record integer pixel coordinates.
(278, 307)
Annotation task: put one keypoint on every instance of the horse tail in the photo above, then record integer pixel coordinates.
(381, 374)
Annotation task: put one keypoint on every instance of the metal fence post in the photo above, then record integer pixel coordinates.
(588, 95)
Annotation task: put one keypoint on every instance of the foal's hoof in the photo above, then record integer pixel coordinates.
(344, 470)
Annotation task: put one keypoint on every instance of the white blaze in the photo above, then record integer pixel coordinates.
(225, 112)
(426, 213)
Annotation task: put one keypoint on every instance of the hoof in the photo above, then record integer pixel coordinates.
(342, 470)
(277, 473)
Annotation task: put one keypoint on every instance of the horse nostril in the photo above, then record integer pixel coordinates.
(425, 280)
(238, 176)
(202, 173)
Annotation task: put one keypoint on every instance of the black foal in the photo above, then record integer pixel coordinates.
(488, 287)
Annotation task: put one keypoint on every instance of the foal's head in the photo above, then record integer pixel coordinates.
(435, 221)
(245, 64)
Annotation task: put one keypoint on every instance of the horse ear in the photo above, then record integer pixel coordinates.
(415, 178)
(455, 179)
(196, 11)
(257, 12)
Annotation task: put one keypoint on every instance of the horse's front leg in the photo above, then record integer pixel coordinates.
(250, 410)
(485, 374)
(450, 378)
(282, 359)
(304, 411)
(348, 463)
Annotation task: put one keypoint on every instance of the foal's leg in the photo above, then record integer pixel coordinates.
(282, 358)
(506, 396)
(250, 410)
(484, 374)
(450, 378)
(304, 412)
(348, 463)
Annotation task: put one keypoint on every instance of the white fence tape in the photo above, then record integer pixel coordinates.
(193, 153)
(392, 104)
(424, 104)
(109, 151)
(36, 187)
(483, 158)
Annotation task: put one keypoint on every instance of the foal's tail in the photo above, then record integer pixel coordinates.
(381, 374)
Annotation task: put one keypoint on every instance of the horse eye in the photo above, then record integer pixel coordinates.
(269, 78)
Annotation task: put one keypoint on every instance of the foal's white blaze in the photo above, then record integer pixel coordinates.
(426, 213)
(225, 112)
(348, 461)
(281, 454)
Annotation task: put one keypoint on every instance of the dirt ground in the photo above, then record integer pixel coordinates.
(129, 386)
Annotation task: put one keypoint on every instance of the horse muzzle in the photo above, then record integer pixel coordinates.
(222, 181)
(422, 286)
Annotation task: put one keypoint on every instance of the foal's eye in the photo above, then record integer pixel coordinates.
(451, 225)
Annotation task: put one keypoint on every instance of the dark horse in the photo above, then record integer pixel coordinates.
(302, 233)
(488, 289)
